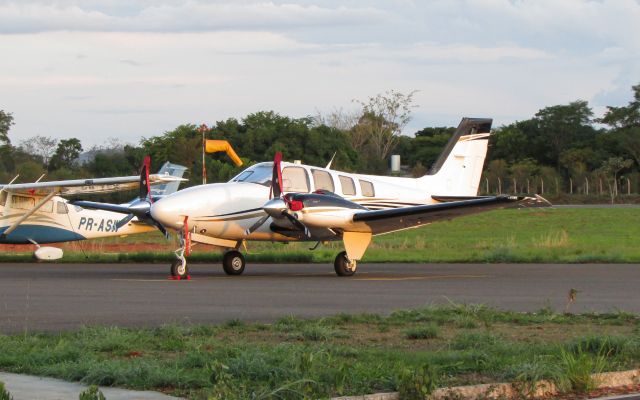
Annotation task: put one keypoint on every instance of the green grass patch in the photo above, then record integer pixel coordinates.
(519, 235)
(412, 351)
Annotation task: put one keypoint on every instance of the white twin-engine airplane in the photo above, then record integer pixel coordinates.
(35, 213)
(283, 202)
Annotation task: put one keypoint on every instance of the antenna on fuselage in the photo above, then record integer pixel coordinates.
(331, 161)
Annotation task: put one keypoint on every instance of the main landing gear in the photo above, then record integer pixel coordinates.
(233, 262)
(344, 266)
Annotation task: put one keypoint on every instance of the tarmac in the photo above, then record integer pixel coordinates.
(26, 387)
(54, 297)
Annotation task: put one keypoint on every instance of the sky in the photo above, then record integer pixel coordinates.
(123, 70)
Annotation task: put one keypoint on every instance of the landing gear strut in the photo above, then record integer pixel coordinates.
(343, 265)
(179, 269)
(233, 262)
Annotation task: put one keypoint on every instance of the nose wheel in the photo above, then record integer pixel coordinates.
(344, 266)
(179, 269)
(233, 263)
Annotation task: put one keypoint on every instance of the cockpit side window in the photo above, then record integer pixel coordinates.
(62, 208)
(260, 174)
(295, 179)
(3, 198)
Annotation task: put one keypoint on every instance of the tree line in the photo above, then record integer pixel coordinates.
(561, 149)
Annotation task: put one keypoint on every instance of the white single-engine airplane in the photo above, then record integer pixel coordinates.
(283, 202)
(35, 213)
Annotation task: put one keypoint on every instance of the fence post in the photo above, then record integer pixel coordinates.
(628, 186)
(487, 181)
(528, 190)
(515, 186)
(586, 180)
(570, 186)
(499, 186)
(542, 185)
(600, 186)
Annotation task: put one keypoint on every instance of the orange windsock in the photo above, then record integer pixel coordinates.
(214, 146)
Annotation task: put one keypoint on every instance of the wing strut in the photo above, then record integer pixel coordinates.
(27, 215)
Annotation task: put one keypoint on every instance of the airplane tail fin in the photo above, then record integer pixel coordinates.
(457, 170)
(169, 187)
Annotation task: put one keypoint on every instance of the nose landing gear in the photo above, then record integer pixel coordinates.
(179, 269)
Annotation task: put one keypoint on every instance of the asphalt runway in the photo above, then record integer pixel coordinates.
(51, 297)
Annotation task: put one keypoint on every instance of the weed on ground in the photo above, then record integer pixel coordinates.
(412, 351)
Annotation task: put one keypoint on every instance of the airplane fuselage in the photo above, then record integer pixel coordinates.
(57, 221)
(226, 210)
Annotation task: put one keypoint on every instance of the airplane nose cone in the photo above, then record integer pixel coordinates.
(167, 211)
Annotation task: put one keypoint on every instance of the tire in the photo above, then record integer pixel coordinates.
(233, 263)
(343, 266)
(179, 270)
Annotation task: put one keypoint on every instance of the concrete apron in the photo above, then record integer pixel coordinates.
(27, 387)
(509, 390)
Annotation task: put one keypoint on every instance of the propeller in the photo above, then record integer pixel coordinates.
(279, 204)
(140, 208)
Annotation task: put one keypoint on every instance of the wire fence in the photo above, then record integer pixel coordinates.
(587, 186)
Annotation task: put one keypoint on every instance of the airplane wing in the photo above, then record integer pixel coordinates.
(385, 221)
(86, 186)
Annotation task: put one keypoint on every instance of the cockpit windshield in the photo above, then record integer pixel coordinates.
(260, 174)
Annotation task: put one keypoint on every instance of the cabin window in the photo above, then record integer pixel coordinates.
(295, 179)
(367, 189)
(3, 198)
(22, 202)
(62, 208)
(322, 180)
(348, 187)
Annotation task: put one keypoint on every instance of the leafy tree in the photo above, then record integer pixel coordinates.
(66, 153)
(6, 156)
(610, 170)
(6, 120)
(563, 126)
(624, 117)
(41, 147)
(384, 116)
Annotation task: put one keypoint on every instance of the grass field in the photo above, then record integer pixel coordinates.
(548, 235)
(411, 351)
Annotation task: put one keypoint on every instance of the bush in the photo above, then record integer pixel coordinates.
(577, 368)
(429, 331)
(4, 394)
(417, 384)
(92, 393)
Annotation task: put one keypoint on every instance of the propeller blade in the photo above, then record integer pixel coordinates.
(298, 224)
(160, 227)
(124, 221)
(257, 225)
(145, 187)
(276, 178)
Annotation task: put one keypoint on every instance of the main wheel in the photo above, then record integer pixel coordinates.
(179, 269)
(344, 266)
(233, 262)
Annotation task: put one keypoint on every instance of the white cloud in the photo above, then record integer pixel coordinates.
(131, 69)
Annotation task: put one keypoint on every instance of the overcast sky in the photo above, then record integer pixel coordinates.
(127, 69)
